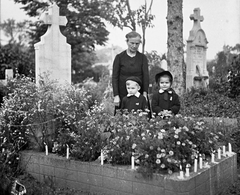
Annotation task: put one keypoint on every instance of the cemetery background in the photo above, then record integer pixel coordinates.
(197, 112)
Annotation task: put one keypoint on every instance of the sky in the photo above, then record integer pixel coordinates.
(221, 23)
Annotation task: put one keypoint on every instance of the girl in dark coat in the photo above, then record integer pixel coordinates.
(166, 98)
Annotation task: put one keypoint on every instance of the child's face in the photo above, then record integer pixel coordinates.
(164, 82)
(132, 87)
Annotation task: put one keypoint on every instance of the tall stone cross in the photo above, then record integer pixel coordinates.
(197, 18)
(53, 53)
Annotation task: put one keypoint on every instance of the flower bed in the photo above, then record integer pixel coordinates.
(108, 179)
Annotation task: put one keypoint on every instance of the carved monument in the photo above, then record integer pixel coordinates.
(53, 53)
(196, 73)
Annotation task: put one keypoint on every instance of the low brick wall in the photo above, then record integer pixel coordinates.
(121, 180)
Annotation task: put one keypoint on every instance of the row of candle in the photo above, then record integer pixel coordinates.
(46, 150)
(181, 172)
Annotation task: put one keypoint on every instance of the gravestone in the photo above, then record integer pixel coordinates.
(164, 64)
(196, 71)
(53, 53)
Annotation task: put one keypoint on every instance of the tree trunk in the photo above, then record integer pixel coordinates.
(175, 56)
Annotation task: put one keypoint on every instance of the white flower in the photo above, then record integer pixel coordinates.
(134, 146)
(158, 161)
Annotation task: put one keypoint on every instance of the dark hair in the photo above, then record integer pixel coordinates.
(163, 73)
(132, 34)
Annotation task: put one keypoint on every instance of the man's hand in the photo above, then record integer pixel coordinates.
(116, 100)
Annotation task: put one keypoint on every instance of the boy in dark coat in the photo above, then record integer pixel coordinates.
(166, 98)
(133, 100)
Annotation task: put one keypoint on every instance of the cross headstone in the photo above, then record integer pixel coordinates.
(53, 53)
(197, 18)
(196, 62)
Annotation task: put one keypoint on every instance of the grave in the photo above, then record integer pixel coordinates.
(196, 64)
(53, 53)
(112, 180)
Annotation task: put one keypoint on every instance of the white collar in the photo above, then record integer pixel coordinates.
(136, 94)
(162, 91)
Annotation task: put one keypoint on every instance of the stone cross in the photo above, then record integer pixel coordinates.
(53, 53)
(54, 18)
(196, 18)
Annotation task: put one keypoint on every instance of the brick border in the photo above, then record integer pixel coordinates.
(121, 180)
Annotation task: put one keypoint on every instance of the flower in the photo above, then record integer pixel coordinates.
(158, 161)
(134, 146)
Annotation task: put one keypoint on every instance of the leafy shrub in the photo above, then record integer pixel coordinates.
(161, 144)
(87, 138)
(234, 77)
(203, 103)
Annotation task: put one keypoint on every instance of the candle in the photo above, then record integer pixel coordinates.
(187, 170)
(102, 157)
(67, 156)
(230, 147)
(224, 150)
(200, 161)
(219, 153)
(46, 148)
(181, 173)
(133, 161)
(212, 157)
(195, 165)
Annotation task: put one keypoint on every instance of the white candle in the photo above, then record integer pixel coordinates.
(219, 153)
(200, 161)
(195, 165)
(187, 170)
(67, 156)
(102, 157)
(46, 148)
(230, 147)
(133, 162)
(212, 158)
(224, 150)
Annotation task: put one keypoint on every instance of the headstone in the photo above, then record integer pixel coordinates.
(8, 74)
(53, 53)
(164, 64)
(196, 73)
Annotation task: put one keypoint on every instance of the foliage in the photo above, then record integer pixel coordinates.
(202, 103)
(234, 77)
(124, 130)
(120, 14)
(18, 58)
(37, 112)
(160, 145)
(16, 32)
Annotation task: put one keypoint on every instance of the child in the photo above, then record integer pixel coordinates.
(134, 100)
(165, 98)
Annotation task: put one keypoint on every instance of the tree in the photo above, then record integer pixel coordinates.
(84, 29)
(175, 55)
(15, 54)
(15, 31)
(121, 14)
